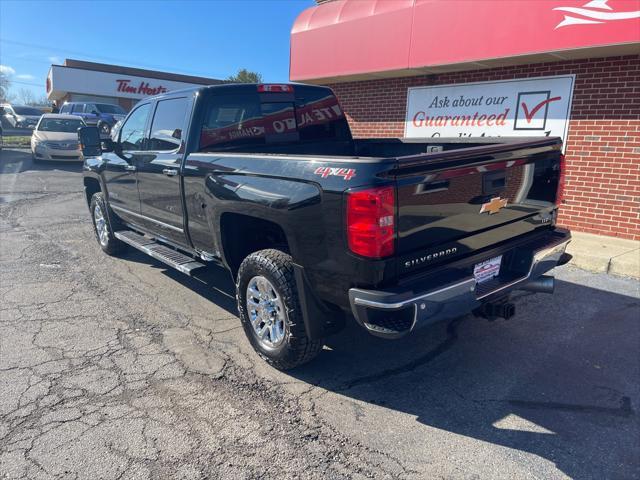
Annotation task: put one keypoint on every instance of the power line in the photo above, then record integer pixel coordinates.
(26, 83)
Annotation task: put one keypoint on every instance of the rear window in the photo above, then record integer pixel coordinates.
(112, 109)
(247, 120)
(27, 111)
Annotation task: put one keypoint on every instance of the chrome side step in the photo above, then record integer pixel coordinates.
(173, 258)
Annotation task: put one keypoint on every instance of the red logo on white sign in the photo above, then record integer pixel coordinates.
(124, 85)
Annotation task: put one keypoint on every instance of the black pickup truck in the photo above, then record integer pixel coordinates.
(316, 227)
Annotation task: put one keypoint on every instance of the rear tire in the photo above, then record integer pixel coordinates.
(102, 226)
(270, 310)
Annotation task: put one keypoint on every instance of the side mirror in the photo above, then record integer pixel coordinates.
(90, 143)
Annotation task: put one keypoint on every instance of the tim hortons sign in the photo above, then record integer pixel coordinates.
(141, 88)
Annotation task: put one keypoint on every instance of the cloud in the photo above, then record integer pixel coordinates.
(56, 60)
(25, 76)
(7, 70)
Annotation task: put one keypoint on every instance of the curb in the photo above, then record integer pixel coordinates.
(601, 254)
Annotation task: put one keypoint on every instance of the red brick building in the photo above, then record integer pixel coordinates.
(374, 52)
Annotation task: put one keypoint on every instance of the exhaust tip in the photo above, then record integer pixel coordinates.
(543, 284)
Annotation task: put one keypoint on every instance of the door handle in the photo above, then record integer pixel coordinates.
(170, 172)
(130, 168)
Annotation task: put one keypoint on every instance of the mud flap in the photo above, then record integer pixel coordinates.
(319, 320)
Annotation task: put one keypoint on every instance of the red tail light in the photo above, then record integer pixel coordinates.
(371, 221)
(275, 88)
(561, 180)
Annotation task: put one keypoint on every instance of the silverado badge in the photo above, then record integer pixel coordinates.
(494, 205)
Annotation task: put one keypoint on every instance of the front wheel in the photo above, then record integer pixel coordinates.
(102, 226)
(270, 310)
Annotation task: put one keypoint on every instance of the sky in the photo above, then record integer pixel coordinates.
(212, 38)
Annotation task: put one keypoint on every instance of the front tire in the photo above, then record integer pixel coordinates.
(270, 310)
(102, 226)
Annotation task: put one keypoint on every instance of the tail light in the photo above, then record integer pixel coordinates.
(371, 221)
(275, 88)
(561, 180)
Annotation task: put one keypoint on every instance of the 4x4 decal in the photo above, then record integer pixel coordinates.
(347, 173)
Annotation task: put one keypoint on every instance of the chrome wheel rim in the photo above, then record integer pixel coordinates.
(266, 312)
(101, 225)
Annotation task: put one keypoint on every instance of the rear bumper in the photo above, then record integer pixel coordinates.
(454, 292)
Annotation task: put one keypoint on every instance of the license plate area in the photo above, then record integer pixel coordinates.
(485, 271)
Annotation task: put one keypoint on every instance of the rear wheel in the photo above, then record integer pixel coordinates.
(270, 310)
(102, 226)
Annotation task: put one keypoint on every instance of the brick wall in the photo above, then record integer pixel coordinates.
(603, 146)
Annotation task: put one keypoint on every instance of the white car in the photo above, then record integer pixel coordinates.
(56, 138)
(20, 116)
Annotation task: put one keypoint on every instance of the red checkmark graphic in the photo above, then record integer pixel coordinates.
(529, 114)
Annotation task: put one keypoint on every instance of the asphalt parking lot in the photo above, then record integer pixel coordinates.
(120, 368)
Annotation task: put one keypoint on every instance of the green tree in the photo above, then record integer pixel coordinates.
(245, 76)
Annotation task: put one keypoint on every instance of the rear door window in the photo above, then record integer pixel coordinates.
(168, 123)
(65, 109)
(78, 108)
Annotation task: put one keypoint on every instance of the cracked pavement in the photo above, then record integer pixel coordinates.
(118, 368)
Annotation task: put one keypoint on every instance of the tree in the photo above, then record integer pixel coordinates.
(245, 76)
(26, 96)
(5, 83)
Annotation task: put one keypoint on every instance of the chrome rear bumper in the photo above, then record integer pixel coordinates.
(396, 312)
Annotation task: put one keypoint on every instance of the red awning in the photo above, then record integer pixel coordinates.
(358, 39)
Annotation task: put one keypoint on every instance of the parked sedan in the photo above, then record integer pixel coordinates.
(17, 116)
(56, 138)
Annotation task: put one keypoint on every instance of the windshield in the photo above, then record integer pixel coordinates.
(60, 125)
(106, 108)
(27, 111)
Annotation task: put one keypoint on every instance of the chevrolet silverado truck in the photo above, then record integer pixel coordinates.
(316, 227)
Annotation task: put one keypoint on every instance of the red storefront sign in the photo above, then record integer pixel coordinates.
(350, 37)
(143, 88)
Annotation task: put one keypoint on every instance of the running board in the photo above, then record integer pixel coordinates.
(171, 257)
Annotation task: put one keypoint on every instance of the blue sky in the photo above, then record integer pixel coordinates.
(209, 38)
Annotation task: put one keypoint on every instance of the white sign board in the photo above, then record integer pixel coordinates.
(528, 107)
(62, 80)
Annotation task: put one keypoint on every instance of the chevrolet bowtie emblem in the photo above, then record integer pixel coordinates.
(494, 205)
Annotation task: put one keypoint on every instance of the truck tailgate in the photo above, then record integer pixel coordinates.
(455, 202)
